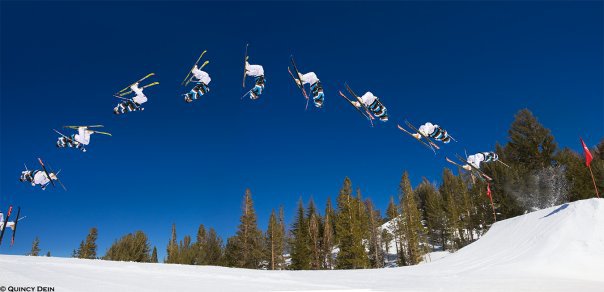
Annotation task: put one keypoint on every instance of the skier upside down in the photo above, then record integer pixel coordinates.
(374, 104)
(201, 85)
(256, 71)
(433, 131)
(315, 87)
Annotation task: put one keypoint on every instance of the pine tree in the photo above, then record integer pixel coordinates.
(87, 249)
(313, 220)
(453, 222)
(434, 212)
(48, 254)
(78, 253)
(376, 255)
(534, 180)
(213, 249)
(300, 247)
(348, 231)
(466, 211)
(327, 244)
(199, 246)
(246, 245)
(35, 247)
(172, 249)
(154, 255)
(186, 251)
(231, 253)
(396, 229)
(131, 248)
(282, 242)
(387, 238)
(414, 230)
(530, 143)
(274, 243)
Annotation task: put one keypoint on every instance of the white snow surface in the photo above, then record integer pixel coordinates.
(555, 249)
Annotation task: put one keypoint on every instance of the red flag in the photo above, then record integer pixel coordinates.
(588, 156)
(489, 191)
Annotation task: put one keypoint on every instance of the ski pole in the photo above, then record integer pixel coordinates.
(503, 163)
(245, 94)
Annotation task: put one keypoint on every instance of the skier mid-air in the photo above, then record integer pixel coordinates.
(4, 223)
(79, 140)
(478, 158)
(257, 72)
(315, 87)
(41, 177)
(134, 103)
(201, 84)
(433, 131)
(38, 177)
(374, 104)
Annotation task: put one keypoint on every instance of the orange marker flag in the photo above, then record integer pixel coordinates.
(588, 159)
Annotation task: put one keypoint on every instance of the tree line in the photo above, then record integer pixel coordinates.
(353, 234)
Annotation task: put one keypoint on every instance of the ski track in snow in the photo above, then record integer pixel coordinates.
(555, 249)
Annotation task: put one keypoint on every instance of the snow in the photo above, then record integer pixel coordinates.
(555, 249)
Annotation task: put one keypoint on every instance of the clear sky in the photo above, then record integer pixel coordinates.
(468, 66)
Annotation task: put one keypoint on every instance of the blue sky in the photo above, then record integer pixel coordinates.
(468, 66)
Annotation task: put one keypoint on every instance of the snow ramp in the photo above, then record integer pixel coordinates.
(555, 249)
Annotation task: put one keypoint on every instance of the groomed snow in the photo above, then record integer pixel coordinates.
(555, 249)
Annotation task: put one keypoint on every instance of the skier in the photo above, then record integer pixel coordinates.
(257, 72)
(433, 131)
(476, 159)
(133, 103)
(37, 177)
(79, 140)
(374, 104)
(201, 86)
(9, 224)
(315, 87)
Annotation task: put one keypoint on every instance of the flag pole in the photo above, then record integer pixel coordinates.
(491, 198)
(494, 214)
(588, 159)
(594, 181)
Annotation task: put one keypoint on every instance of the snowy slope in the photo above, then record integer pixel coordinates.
(555, 249)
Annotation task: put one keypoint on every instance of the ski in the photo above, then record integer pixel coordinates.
(477, 170)
(420, 140)
(76, 127)
(424, 136)
(299, 81)
(12, 240)
(301, 88)
(359, 100)
(10, 208)
(46, 172)
(103, 133)
(244, 70)
(202, 65)
(148, 85)
(370, 118)
(187, 77)
(147, 76)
